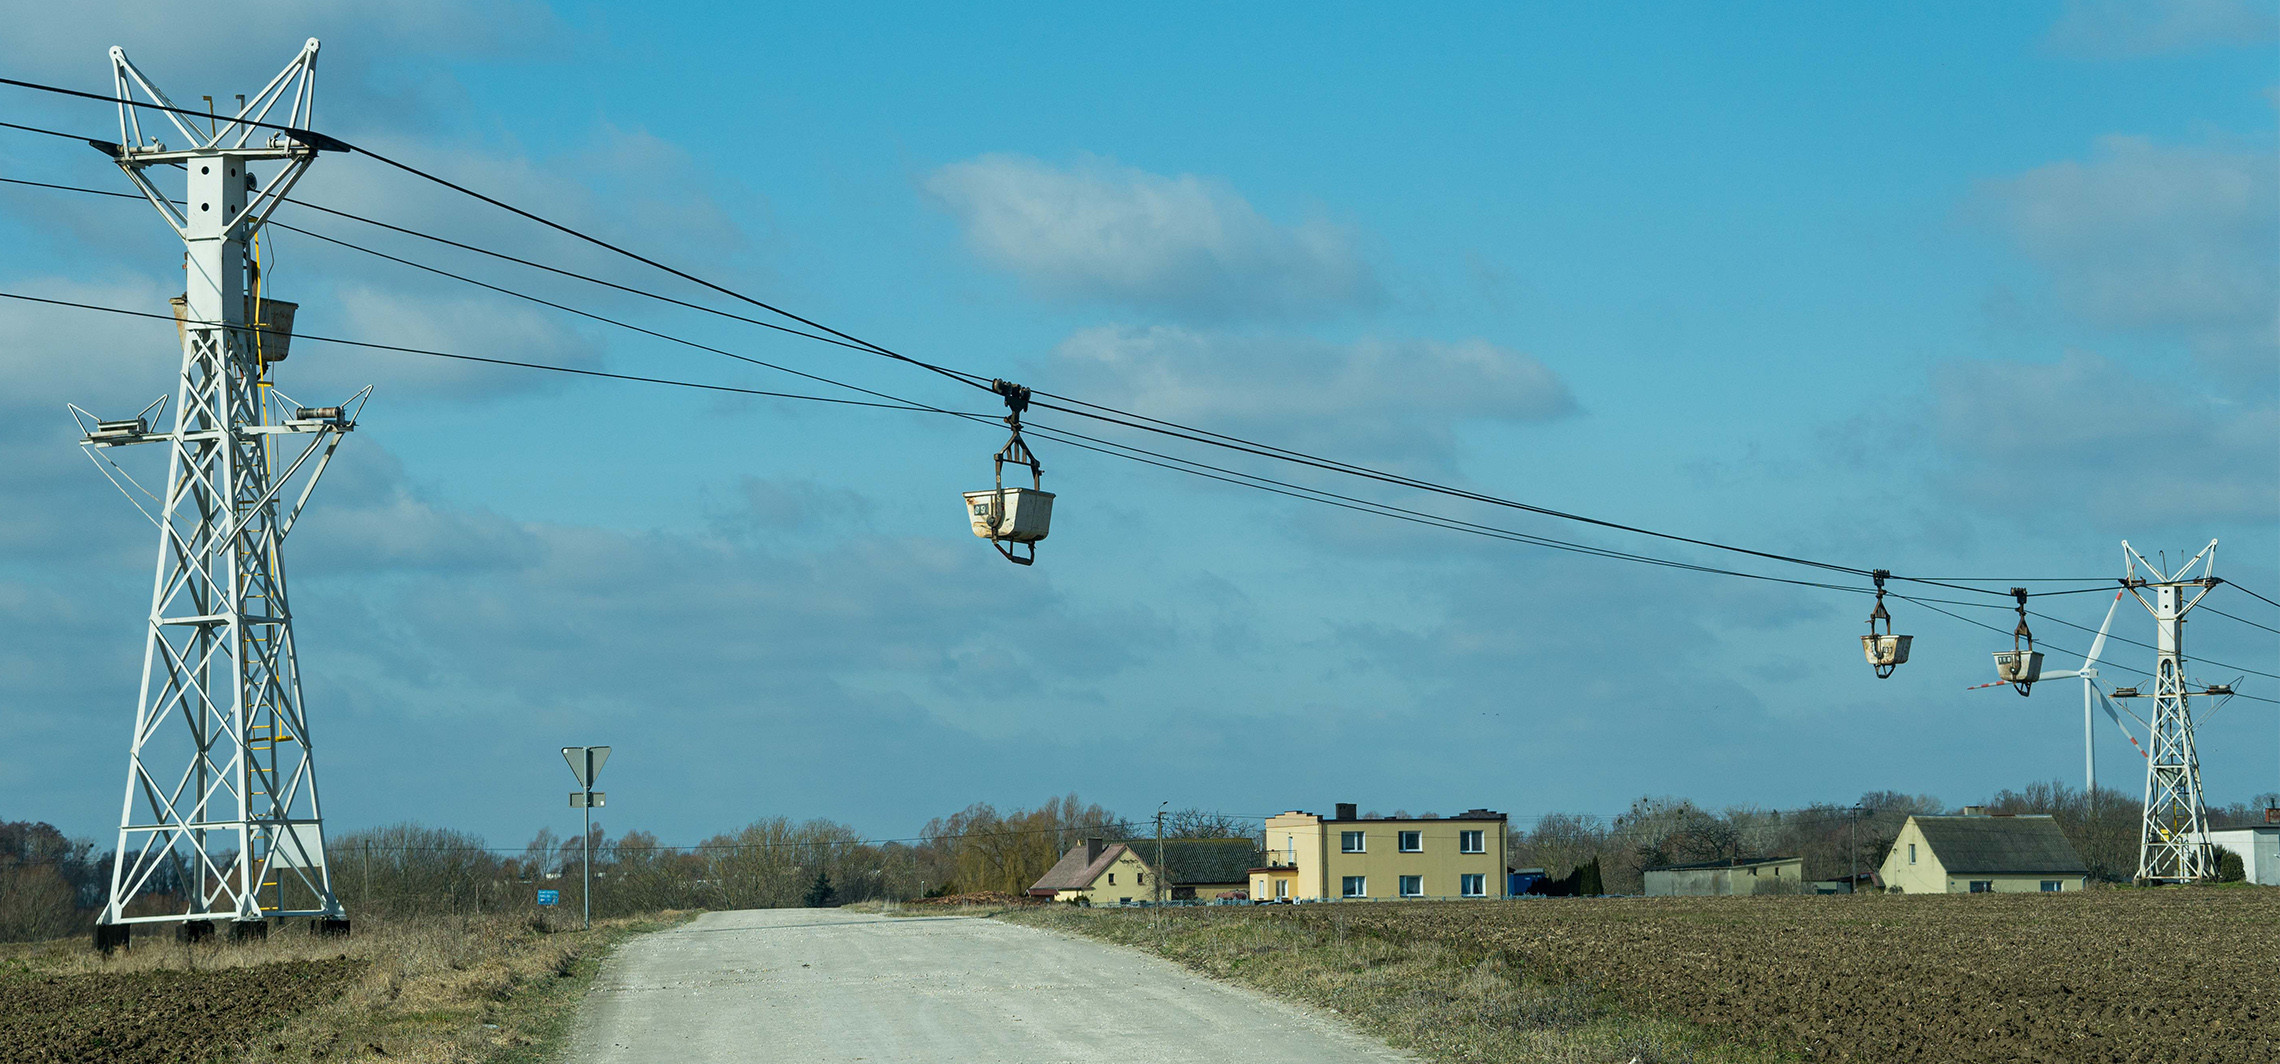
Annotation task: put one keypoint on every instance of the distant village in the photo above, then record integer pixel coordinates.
(1307, 857)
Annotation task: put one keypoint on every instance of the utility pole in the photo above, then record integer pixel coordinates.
(2173, 844)
(586, 763)
(1853, 884)
(1160, 852)
(221, 784)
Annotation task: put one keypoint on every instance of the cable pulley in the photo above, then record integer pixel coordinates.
(1885, 651)
(2021, 665)
(1014, 515)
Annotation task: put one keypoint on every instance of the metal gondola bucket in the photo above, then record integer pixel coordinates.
(1886, 651)
(1011, 515)
(2018, 666)
(272, 320)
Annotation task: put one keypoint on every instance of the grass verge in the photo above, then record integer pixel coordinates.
(1446, 1002)
(433, 990)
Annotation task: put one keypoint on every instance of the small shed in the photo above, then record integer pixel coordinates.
(1735, 875)
(2259, 848)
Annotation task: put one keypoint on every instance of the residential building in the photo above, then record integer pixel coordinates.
(1199, 869)
(1310, 857)
(1978, 853)
(1738, 875)
(1098, 873)
(2259, 848)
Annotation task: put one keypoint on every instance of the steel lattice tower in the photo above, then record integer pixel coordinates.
(2173, 839)
(220, 819)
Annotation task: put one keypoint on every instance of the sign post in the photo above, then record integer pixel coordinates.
(586, 763)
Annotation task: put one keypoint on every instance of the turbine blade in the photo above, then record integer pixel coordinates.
(2098, 645)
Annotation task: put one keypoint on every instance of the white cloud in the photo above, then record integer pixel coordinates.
(1100, 231)
(487, 327)
(1397, 400)
(2085, 437)
(2130, 28)
(2147, 237)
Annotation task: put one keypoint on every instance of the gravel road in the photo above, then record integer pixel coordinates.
(822, 985)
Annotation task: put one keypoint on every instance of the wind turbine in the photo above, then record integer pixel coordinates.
(2091, 695)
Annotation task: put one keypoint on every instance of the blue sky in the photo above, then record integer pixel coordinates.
(1972, 290)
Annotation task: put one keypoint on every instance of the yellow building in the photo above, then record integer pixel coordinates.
(1979, 854)
(1314, 858)
(1098, 873)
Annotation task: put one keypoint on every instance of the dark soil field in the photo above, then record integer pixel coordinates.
(162, 1017)
(2141, 976)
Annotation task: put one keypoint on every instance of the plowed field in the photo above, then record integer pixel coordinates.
(160, 1017)
(2168, 976)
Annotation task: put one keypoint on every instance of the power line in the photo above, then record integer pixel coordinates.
(2243, 620)
(2253, 594)
(1091, 443)
(1928, 604)
(898, 405)
(1105, 413)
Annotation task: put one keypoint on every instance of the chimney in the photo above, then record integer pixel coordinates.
(1975, 810)
(1093, 848)
(1347, 811)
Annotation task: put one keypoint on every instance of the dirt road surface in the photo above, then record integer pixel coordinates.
(822, 985)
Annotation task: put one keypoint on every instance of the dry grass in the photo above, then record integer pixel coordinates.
(440, 989)
(1446, 1001)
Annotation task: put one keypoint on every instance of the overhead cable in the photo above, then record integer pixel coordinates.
(1083, 408)
(634, 378)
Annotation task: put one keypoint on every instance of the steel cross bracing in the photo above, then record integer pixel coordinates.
(2173, 839)
(220, 819)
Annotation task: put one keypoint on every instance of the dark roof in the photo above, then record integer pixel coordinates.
(1469, 814)
(2000, 844)
(1073, 872)
(1731, 862)
(1190, 862)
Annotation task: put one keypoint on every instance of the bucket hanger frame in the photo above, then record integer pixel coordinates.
(1016, 451)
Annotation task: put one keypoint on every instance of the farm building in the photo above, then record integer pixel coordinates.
(1097, 873)
(1310, 857)
(2259, 849)
(1739, 875)
(1977, 853)
(1200, 869)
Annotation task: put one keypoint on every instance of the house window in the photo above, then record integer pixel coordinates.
(1982, 886)
(1354, 887)
(1413, 886)
(1412, 841)
(1282, 888)
(1470, 842)
(1140, 879)
(1112, 879)
(1911, 853)
(1473, 885)
(1350, 841)
(2052, 886)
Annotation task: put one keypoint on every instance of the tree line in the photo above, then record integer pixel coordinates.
(1833, 839)
(52, 886)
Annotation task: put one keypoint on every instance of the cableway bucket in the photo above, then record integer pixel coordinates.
(1014, 515)
(1886, 651)
(2021, 667)
(272, 322)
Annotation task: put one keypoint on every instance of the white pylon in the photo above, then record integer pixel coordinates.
(220, 819)
(2173, 837)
